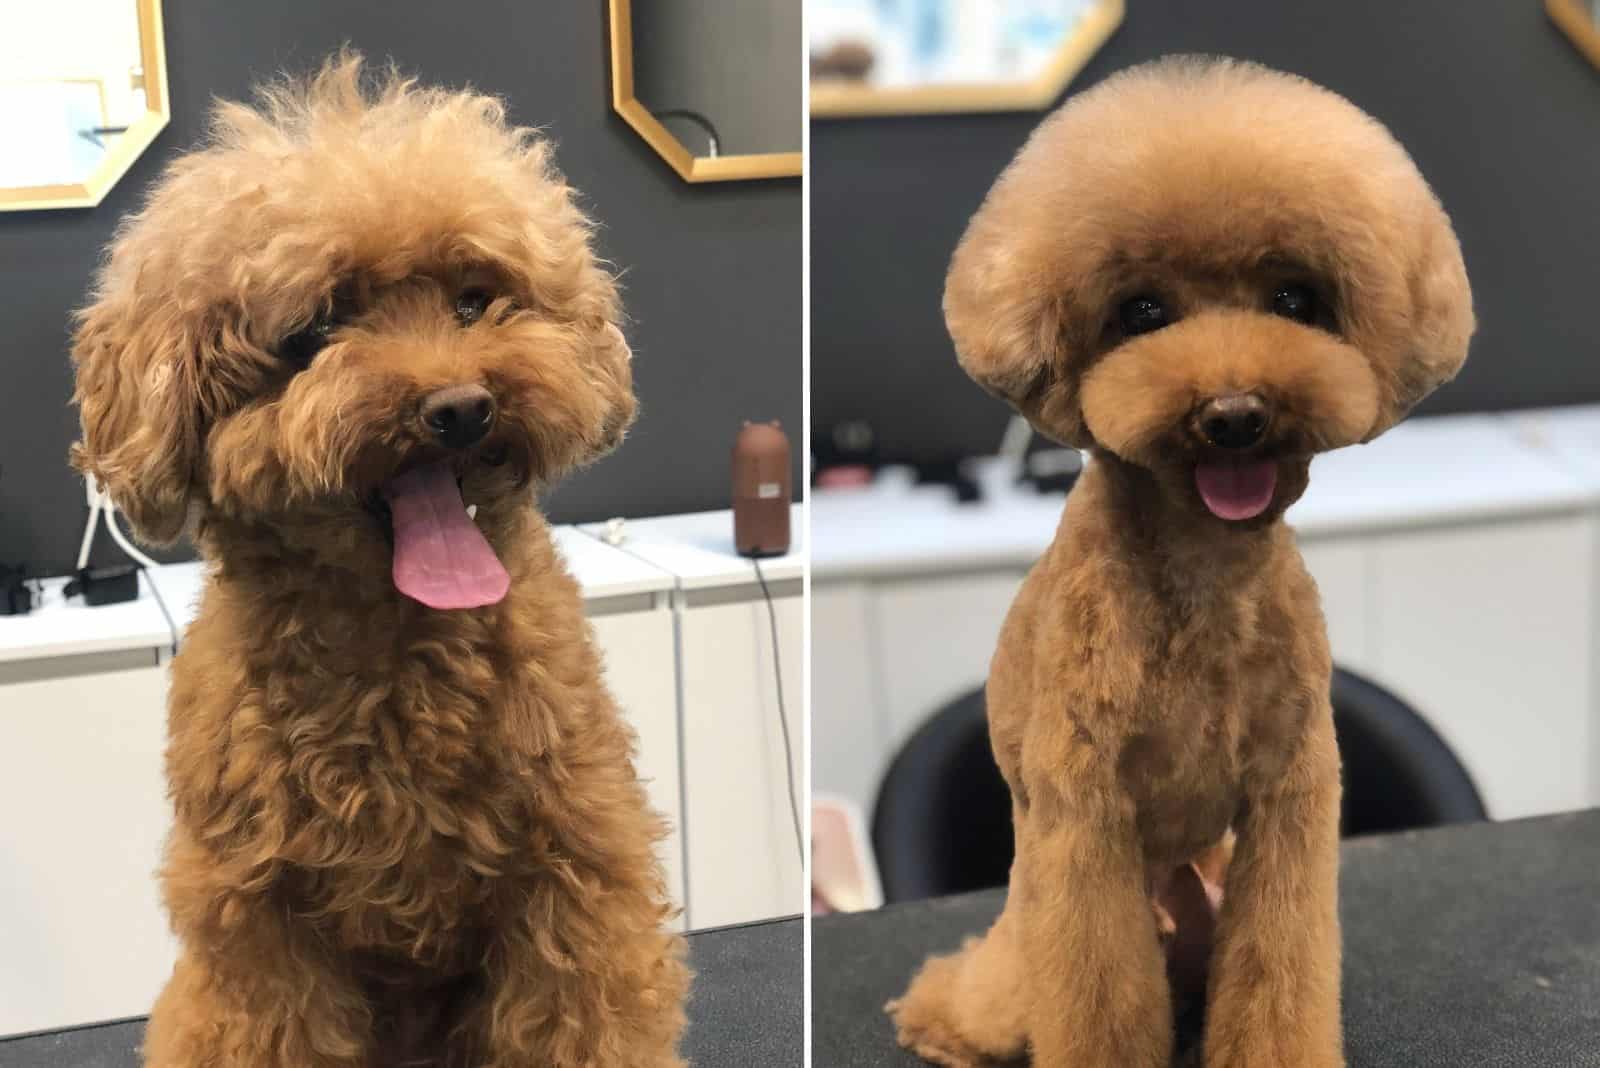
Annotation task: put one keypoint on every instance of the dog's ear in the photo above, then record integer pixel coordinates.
(613, 378)
(1430, 340)
(1012, 328)
(138, 401)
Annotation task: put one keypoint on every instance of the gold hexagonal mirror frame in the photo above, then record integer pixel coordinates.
(1575, 20)
(128, 146)
(1098, 22)
(689, 167)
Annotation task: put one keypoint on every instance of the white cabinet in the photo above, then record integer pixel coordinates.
(628, 605)
(849, 725)
(1342, 572)
(743, 862)
(937, 636)
(1488, 631)
(83, 814)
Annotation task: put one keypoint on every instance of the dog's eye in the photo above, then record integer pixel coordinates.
(302, 346)
(471, 305)
(1142, 314)
(1295, 302)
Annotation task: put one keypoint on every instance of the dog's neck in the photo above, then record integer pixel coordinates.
(1161, 541)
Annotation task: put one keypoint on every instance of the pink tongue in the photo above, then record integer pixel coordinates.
(1237, 491)
(440, 558)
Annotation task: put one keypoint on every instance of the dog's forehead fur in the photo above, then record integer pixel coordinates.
(1197, 168)
(346, 175)
(1216, 164)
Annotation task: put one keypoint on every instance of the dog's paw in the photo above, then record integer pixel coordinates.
(933, 1041)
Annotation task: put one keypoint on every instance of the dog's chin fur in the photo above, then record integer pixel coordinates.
(1159, 699)
(403, 836)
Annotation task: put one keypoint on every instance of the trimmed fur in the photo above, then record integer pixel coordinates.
(1159, 696)
(403, 836)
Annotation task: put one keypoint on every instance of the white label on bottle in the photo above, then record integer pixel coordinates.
(767, 490)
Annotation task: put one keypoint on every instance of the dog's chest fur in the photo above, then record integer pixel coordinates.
(378, 766)
(1176, 695)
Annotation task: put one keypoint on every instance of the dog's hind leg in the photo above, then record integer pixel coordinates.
(967, 1009)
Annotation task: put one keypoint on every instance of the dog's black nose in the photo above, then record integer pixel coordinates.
(1237, 421)
(459, 416)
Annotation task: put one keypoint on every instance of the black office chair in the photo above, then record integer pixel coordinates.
(942, 822)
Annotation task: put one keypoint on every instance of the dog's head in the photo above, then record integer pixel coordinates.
(359, 302)
(1213, 271)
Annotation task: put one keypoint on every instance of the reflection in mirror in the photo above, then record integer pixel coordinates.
(82, 92)
(875, 57)
(711, 85)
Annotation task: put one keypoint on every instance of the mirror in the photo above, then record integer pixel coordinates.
(83, 91)
(1579, 20)
(910, 57)
(711, 85)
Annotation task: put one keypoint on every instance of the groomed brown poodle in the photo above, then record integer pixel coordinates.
(1205, 272)
(342, 344)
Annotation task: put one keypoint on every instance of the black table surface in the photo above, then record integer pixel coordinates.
(745, 1010)
(1466, 947)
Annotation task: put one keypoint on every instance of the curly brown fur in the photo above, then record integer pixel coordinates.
(403, 836)
(1161, 683)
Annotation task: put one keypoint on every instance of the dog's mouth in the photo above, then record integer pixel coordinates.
(1237, 489)
(441, 558)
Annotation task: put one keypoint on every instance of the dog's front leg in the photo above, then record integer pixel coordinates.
(1099, 994)
(581, 971)
(587, 978)
(1274, 990)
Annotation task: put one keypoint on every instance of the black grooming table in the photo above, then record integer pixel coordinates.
(1467, 947)
(745, 1009)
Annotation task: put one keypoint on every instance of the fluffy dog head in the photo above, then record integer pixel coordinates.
(359, 295)
(1211, 270)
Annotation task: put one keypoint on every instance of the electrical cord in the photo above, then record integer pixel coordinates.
(714, 143)
(783, 714)
(101, 504)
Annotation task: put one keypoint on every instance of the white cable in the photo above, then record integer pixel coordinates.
(88, 529)
(1014, 443)
(122, 539)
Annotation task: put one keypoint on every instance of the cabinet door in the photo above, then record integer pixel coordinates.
(637, 649)
(938, 636)
(1486, 630)
(849, 730)
(743, 860)
(83, 815)
(1342, 573)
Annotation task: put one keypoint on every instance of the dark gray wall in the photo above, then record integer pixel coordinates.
(713, 273)
(1499, 110)
(737, 62)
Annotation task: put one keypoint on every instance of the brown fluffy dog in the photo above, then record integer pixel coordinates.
(404, 834)
(1204, 272)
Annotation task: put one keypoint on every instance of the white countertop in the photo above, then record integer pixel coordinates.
(698, 548)
(61, 627)
(606, 572)
(1569, 436)
(1443, 469)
